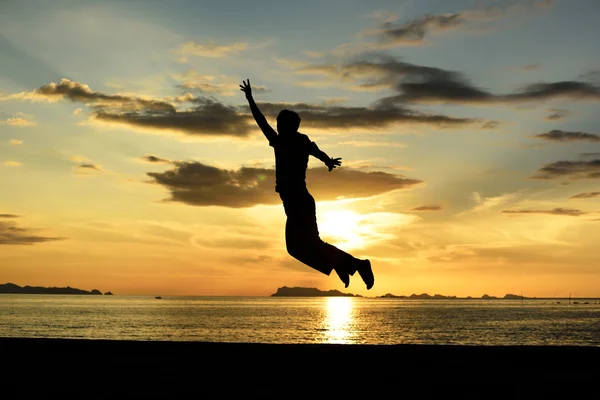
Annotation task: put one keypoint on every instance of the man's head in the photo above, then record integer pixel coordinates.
(288, 121)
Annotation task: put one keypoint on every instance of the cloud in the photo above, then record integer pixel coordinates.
(570, 169)
(89, 166)
(562, 136)
(414, 31)
(415, 83)
(88, 169)
(484, 204)
(11, 233)
(574, 90)
(77, 111)
(11, 163)
(206, 84)
(209, 49)
(206, 117)
(15, 142)
(593, 155)
(194, 183)
(557, 114)
(79, 92)
(378, 116)
(586, 195)
(154, 159)
(17, 121)
(555, 211)
(427, 208)
(209, 117)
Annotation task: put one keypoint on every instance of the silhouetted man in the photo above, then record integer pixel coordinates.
(292, 149)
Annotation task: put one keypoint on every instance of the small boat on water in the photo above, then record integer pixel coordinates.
(158, 297)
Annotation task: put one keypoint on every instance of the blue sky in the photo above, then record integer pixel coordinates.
(372, 81)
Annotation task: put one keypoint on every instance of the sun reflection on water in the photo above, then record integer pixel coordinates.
(338, 320)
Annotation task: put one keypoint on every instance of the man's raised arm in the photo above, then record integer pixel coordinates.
(260, 119)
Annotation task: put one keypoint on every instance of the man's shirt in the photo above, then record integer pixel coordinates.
(291, 160)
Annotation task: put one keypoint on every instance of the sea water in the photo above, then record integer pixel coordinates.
(351, 320)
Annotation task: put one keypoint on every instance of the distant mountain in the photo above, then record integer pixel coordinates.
(426, 296)
(11, 288)
(309, 292)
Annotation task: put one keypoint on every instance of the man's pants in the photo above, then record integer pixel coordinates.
(302, 236)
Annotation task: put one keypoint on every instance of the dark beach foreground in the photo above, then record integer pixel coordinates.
(149, 368)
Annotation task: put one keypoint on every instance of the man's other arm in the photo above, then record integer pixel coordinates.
(321, 155)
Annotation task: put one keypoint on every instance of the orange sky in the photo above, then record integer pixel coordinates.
(470, 165)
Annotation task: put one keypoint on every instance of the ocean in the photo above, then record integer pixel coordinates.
(289, 320)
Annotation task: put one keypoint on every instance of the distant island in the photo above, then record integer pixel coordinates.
(11, 288)
(426, 296)
(314, 292)
(309, 292)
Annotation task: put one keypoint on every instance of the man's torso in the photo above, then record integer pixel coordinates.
(291, 160)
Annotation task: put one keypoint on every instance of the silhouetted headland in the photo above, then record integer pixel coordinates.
(309, 292)
(286, 291)
(11, 288)
(425, 296)
(314, 292)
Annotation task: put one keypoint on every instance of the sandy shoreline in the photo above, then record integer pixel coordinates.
(164, 363)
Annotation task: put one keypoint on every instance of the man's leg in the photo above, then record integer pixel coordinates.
(302, 246)
(304, 243)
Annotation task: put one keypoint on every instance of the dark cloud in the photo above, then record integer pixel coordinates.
(198, 184)
(563, 136)
(427, 208)
(87, 168)
(415, 83)
(556, 211)
(415, 29)
(574, 90)
(557, 114)
(570, 169)
(586, 195)
(208, 117)
(10, 233)
(381, 115)
(151, 158)
(8, 216)
(490, 125)
(593, 155)
(79, 92)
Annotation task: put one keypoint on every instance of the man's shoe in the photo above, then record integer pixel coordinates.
(344, 277)
(366, 273)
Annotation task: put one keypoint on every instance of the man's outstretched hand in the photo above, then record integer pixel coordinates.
(333, 162)
(245, 87)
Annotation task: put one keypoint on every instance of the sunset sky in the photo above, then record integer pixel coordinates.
(469, 133)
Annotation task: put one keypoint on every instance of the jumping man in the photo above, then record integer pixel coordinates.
(292, 149)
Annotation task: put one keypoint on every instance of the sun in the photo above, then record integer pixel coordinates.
(342, 227)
